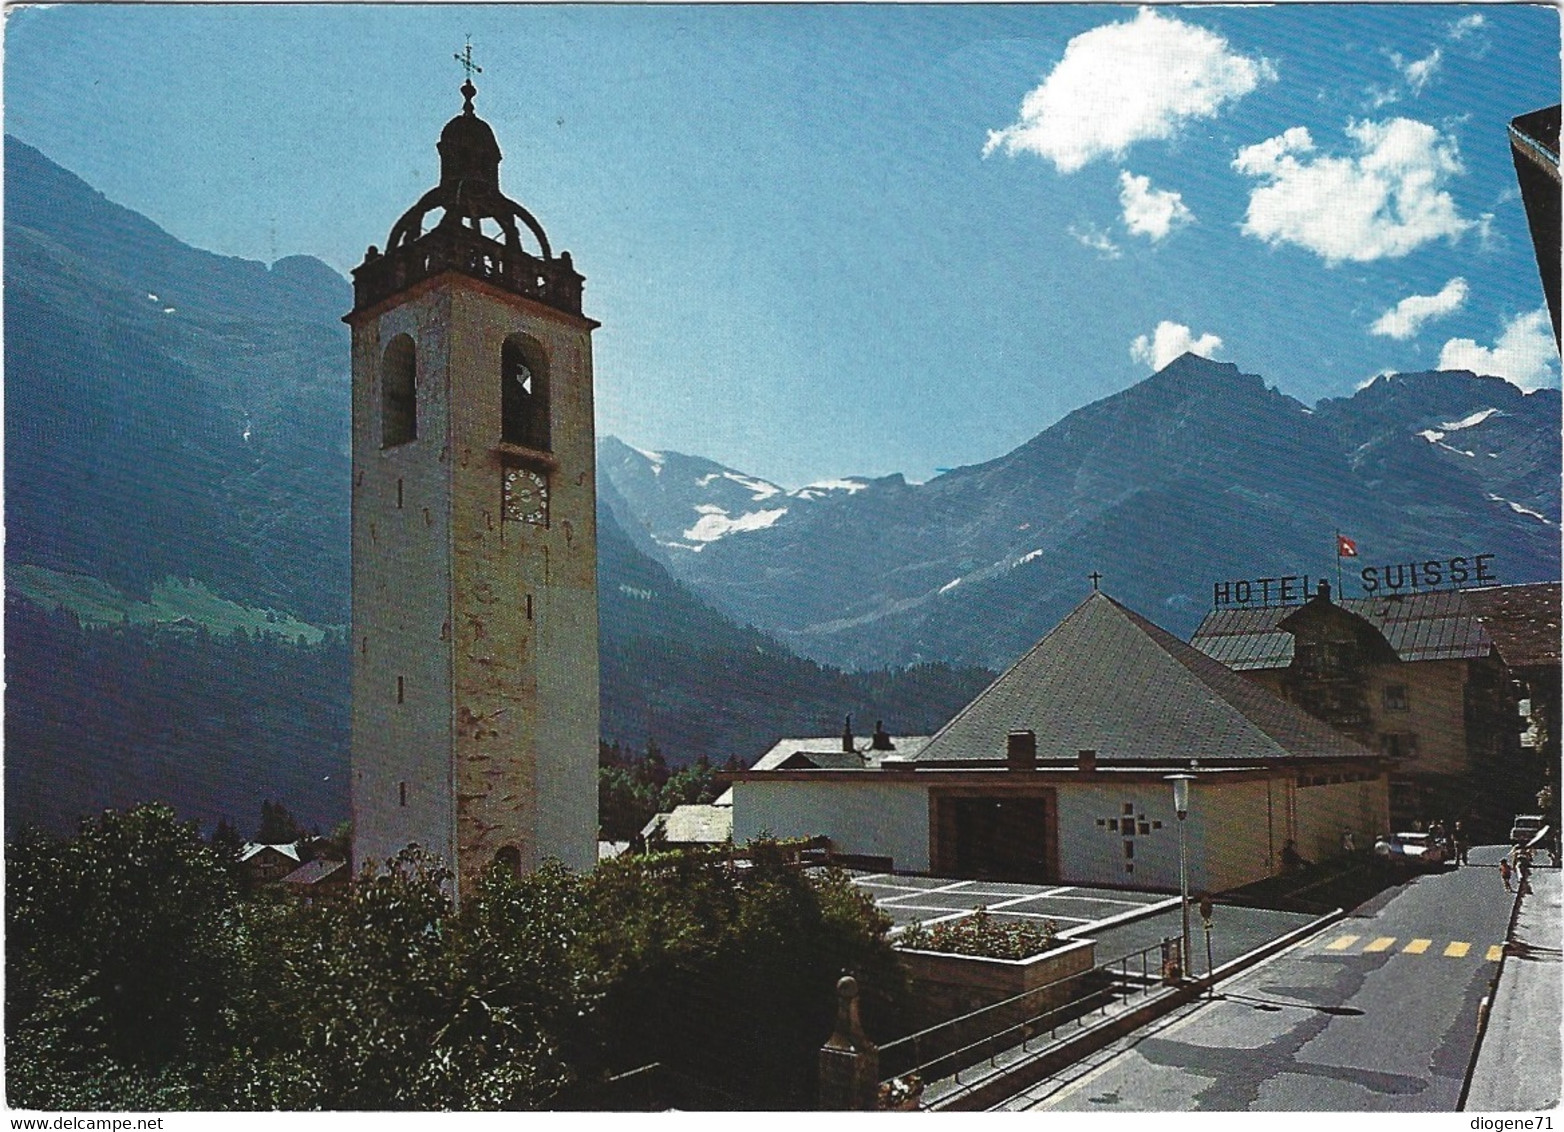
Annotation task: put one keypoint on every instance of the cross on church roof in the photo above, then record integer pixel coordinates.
(1095, 577)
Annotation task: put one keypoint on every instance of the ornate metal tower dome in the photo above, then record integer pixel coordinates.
(467, 196)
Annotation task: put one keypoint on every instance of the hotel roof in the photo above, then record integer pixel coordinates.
(1520, 622)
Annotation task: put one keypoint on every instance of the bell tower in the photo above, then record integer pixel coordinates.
(475, 680)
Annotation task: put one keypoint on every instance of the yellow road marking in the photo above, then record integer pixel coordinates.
(1496, 953)
(1380, 944)
(1343, 943)
(1417, 946)
(1457, 950)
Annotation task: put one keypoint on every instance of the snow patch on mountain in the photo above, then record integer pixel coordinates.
(826, 487)
(1028, 557)
(655, 459)
(1435, 435)
(715, 522)
(950, 585)
(760, 489)
(1476, 418)
(1519, 510)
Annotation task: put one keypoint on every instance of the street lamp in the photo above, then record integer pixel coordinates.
(1181, 808)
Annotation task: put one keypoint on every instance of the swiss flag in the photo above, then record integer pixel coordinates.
(1345, 547)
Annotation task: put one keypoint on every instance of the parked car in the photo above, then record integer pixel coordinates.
(1525, 828)
(1412, 851)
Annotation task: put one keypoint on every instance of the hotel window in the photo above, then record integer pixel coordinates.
(1395, 697)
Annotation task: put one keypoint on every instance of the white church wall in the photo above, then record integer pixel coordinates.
(1233, 835)
(886, 819)
(1094, 854)
(1235, 831)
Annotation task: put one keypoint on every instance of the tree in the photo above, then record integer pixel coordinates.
(278, 826)
(138, 976)
(728, 975)
(226, 841)
(120, 953)
(392, 1001)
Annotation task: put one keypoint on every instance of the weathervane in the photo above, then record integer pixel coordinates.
(464, 57)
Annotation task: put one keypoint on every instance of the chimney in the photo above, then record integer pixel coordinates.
(1324, 590)
(1086, 761)
(847, 735)
(881, 740)
(1021, 750)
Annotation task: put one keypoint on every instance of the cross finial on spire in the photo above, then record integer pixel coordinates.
(1095, 577)
(464, 57)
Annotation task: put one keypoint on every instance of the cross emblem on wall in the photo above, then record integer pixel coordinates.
(1129, 823)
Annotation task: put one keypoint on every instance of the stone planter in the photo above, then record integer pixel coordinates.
(946, 986)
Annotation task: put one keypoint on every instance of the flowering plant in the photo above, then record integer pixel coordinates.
(982, 935)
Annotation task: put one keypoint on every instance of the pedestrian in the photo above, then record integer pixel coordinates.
(1523, 867)
(1461, 844)
(1504, 873)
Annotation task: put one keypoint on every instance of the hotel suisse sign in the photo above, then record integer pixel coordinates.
(1394, 578)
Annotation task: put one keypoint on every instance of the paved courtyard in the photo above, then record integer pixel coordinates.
(1073, 908)
(1121, 921)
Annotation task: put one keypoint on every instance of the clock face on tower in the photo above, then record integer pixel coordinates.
(526, 496)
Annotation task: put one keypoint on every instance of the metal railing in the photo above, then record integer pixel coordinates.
(952, 1047)
(551, 281)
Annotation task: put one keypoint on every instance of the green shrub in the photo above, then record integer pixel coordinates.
(982, 935)
(138, 977)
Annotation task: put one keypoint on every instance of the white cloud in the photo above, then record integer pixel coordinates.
(1096, 239)
(1384, 200)
(1127, 82)
(1169, 341)
(1148, 211)
(1525, 353)
(1419, 71)
(1466, 25)
(1404, 319)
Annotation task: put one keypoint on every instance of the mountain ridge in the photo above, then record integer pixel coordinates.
(177, 481)
(1147, 486)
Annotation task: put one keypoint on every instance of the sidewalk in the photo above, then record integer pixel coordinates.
(1519, 1057)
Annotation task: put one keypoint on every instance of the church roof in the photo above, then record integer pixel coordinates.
(1521, 622)
(1108, 680)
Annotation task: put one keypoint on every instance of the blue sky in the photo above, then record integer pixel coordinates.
(869, 239)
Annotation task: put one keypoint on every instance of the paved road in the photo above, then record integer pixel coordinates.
(1376, 1013)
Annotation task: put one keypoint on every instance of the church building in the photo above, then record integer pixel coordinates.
(1060, 771)
(474, 625)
